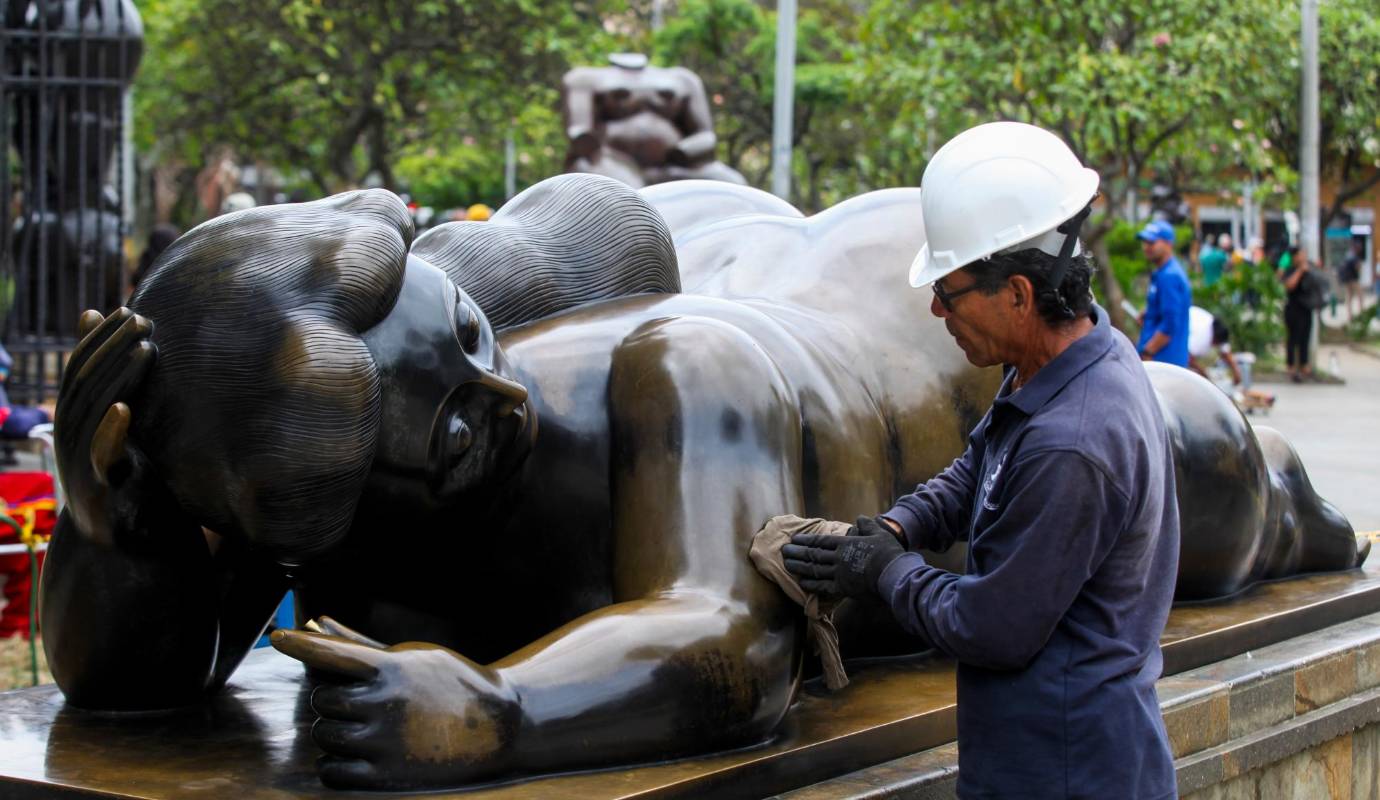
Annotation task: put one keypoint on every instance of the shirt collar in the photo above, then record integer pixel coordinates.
(1057, 373)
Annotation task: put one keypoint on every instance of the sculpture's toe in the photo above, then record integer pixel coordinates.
(1362, 549)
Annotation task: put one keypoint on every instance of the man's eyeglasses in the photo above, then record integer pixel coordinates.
(946, 298)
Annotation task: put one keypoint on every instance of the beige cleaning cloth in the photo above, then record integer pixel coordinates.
(766, 556)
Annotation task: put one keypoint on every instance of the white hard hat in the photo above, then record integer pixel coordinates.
(997, 187)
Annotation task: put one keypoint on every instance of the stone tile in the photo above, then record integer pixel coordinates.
(1286, 656)
(1323, 772)
(1196, 719)
(1260, 704)
(1245, 787)
(1177, 690)
(1368, 666)
(1323, 682)
(1365, 763)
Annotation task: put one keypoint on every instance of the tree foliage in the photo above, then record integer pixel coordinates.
(339, 89)
(1135, 89)
(1198, 95)
(731, 45)
(1348, 94)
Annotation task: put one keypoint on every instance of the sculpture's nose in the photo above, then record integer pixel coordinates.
(511, 393)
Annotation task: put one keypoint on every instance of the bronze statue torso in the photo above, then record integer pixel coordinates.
(640, 124)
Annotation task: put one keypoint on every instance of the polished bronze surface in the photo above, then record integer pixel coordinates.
(253, 740)
(639, 124)
(1247, 511)
(525, 545)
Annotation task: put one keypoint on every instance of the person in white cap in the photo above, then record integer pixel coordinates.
(1065, 494)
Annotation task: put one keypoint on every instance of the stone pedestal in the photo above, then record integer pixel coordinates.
(1299, 718)
(1231, 712)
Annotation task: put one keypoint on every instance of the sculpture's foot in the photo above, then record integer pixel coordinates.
(1362, 549)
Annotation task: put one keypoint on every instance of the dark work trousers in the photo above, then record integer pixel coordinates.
(1298, 324)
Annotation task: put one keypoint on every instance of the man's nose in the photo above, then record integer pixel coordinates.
(937, 308)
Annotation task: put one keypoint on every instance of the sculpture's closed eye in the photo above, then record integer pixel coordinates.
(467, 328)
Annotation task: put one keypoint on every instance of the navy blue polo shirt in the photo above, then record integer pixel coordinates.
(1066, 498)
(1166, 311)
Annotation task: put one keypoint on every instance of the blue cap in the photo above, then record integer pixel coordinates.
(1157, 231)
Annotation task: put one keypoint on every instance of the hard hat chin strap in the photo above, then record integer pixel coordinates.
(1069, 228)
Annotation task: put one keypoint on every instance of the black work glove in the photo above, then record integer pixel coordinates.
(842, 566)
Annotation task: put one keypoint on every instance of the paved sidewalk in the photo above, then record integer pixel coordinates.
(1336, 430)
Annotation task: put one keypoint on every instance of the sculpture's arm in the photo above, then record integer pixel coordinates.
(132, 596)
(696, 654)
(697, 123)
(939, 511)
(151, 625)
(577, 102)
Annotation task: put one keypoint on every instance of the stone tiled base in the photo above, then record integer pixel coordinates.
(1296, 719)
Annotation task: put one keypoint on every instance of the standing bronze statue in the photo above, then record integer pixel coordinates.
(515, 464)
(640, 124)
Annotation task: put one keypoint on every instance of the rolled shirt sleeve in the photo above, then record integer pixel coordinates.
(1056, 519)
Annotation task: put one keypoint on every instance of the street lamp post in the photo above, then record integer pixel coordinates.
(1308, 141)
(783, 104)
(1308, 153)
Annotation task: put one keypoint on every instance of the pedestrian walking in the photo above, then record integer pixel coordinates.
(1350, 277)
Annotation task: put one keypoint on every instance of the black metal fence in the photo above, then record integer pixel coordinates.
(65, 66)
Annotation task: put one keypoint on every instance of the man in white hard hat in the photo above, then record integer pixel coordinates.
(1065, 494)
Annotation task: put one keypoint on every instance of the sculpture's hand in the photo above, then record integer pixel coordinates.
(97, 465)
(409, 716)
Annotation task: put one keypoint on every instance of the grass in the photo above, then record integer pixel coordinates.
(14, 664)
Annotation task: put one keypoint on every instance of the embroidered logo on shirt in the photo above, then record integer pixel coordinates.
(990, 481)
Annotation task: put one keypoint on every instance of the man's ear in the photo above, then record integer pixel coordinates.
(1022, 292)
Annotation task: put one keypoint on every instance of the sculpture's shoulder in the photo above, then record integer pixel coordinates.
(584, 78)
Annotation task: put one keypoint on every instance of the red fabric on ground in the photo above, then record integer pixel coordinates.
(18, 489)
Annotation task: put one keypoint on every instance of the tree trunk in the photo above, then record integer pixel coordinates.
(1111, 289)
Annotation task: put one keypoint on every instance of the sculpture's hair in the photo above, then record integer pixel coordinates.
(262, 408)
(567, 241)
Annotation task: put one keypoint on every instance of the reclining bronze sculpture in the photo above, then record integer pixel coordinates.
(640, 124)
(550, 481)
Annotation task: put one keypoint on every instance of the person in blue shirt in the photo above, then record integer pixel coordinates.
(1065, 494)
(1164, 326)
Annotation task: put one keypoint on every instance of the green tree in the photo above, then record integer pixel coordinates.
(1135, 89)
(1348, 95)
(731, 45)
(339, 89)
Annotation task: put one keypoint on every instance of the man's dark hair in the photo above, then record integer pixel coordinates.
(1072, 301)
